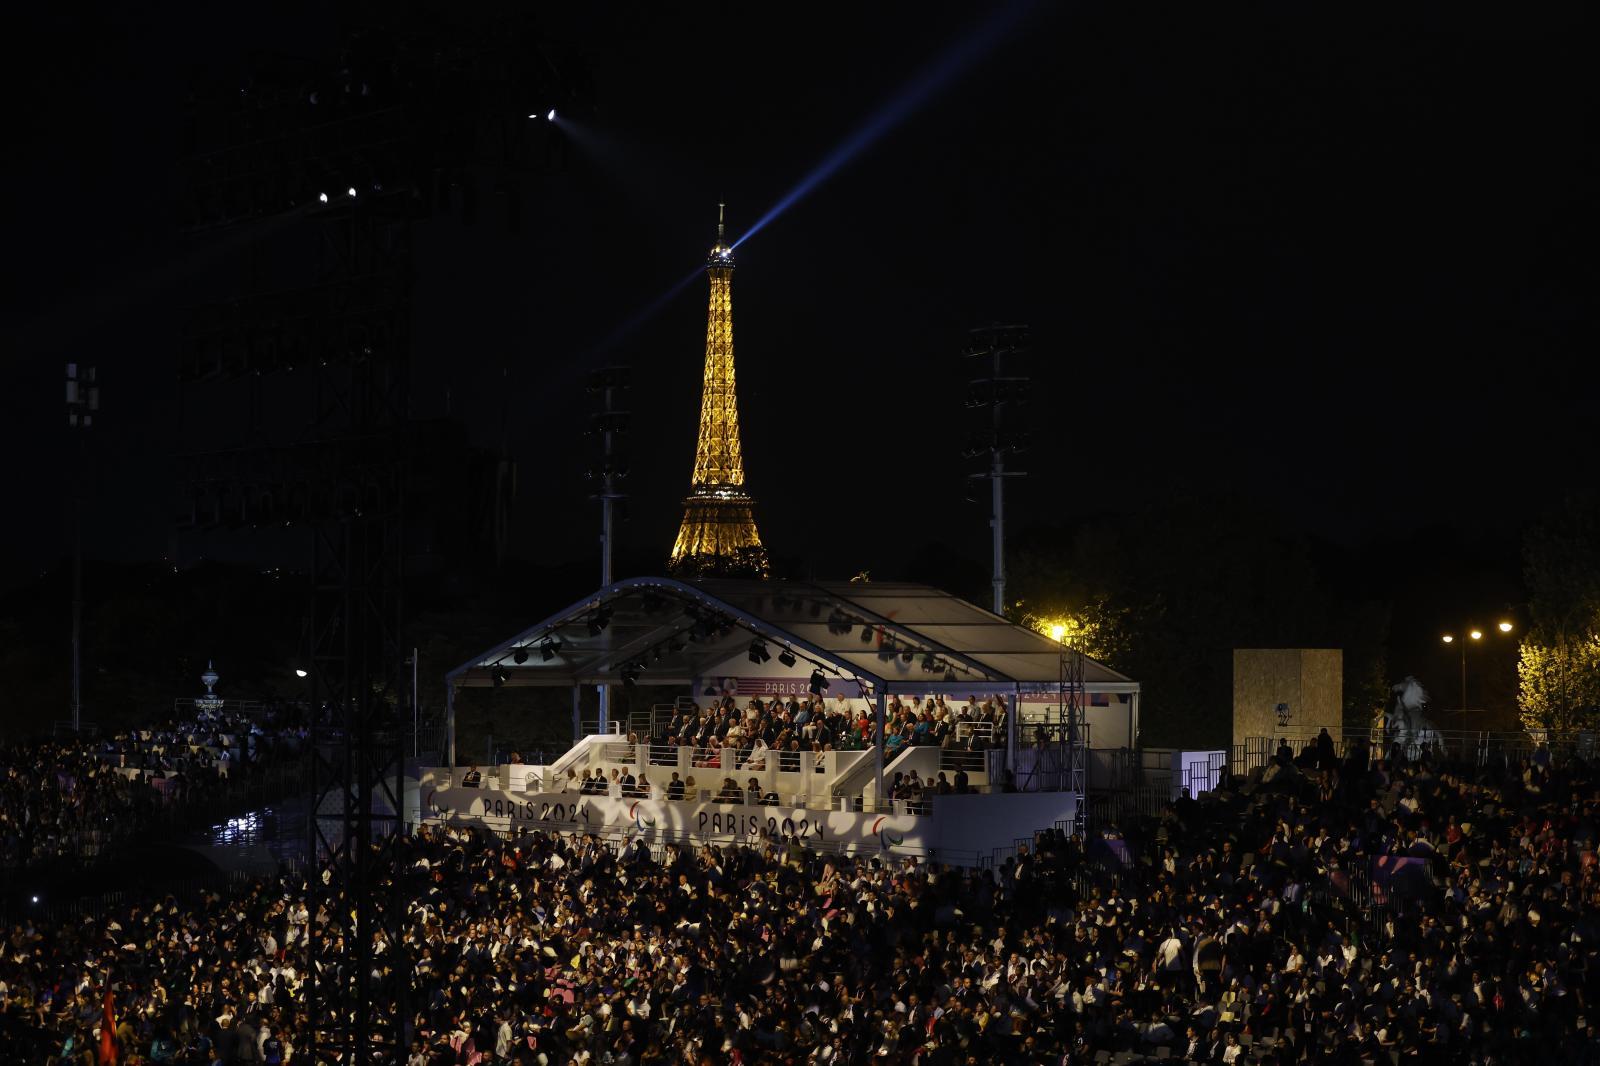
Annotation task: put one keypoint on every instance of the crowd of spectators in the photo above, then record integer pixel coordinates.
(1256, 926)
(785, 729)
(72, 799)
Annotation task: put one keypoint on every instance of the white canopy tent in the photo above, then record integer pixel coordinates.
(890, 638)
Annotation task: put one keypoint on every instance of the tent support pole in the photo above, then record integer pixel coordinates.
(577, 721)
(450, 724)
(882, 703)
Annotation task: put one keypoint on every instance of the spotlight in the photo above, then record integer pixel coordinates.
(322, 197)
(500, 676)
(839, 623)
(930, 663)
(758, 651)
(949, 673)
(599, 620)
(551, 116)
(866, 634)
(907, 655)
(549, 649)
(786, 657)
(886, 650)
(818, 683)
(36, 899)
(519, 656)
(351, 192)
(629, 673)
(299, 672)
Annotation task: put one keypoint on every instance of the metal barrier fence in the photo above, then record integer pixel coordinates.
(1481, 748)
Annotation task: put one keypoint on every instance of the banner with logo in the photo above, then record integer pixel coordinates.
(571, 812)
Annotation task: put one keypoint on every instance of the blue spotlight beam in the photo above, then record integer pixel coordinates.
(936, 75)
(944, 69)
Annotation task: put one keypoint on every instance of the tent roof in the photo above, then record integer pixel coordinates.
(675, 632)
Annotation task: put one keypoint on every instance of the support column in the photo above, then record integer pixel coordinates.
(1013, 716)
(882, 713)
(450, 725)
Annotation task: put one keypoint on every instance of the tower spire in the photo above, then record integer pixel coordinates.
(718, 536)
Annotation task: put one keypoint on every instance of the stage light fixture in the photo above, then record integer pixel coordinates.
(551, 116)
(599, 620)
(786, 657)
(351, 192)
(887, 649)
(519, 656)
(949, 673)
(758, 651)
(322, 197)
(299, 672)
(549, 649)
(500, 676)
(930, 663)
(629, 673)
(866, 635)
(907, 655)
(818, 683)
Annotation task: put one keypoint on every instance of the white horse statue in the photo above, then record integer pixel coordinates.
(1405, 724)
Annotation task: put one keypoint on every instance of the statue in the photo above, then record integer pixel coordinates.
(1403, 724)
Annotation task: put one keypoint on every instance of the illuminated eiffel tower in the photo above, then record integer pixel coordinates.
(718, 536)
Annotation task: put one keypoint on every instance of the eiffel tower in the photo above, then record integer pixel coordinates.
(718, 536)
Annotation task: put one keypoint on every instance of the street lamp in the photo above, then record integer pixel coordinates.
(1474, 636)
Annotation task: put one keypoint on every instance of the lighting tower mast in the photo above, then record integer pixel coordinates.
(608, 425)
(718, 536)
(993, 396)
(83, 400)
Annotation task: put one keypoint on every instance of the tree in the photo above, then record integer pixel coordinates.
(1165, 596)
(1558, 686)
(1558, 668)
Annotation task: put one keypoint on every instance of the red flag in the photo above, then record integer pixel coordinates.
(108, 1035)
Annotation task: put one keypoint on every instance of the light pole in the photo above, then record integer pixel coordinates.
(1473, 635)
(83, 400)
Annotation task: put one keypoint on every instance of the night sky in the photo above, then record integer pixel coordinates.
(1322, 259)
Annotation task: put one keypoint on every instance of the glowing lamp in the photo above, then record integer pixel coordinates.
(1477, 634)
(1505, 627)
(1448, 639)
(1058, 632)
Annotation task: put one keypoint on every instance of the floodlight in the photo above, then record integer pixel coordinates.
(786, 657)
(519, 656)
